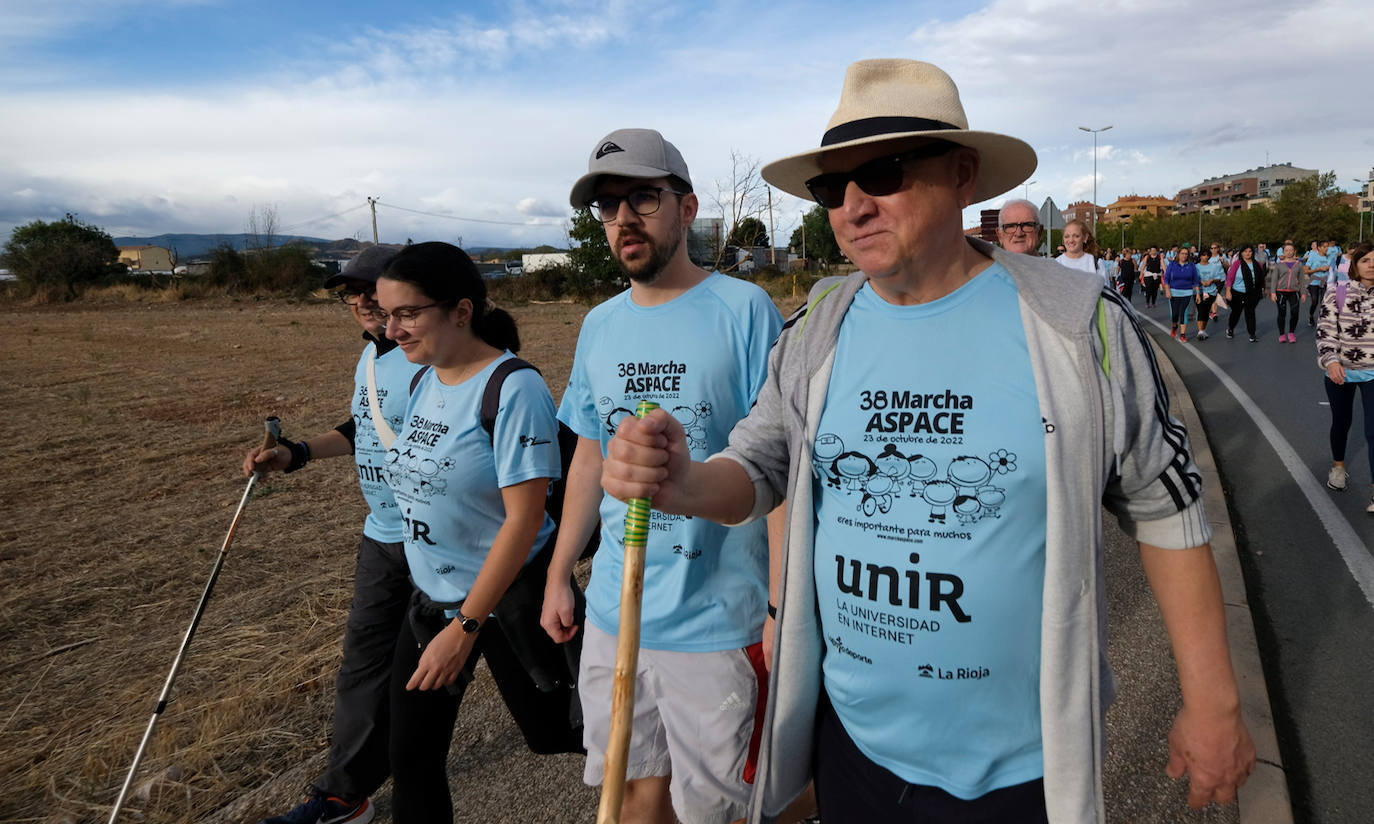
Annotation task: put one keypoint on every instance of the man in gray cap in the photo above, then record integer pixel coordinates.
(947, 425)
(358, 760)
(695, 342)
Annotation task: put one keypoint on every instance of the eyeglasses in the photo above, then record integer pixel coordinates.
(875, 178)
(1026, 226)
(405, 317)
(351, 296)
(643, 202)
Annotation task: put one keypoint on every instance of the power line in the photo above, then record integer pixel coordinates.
(295, 226)
(458, 217)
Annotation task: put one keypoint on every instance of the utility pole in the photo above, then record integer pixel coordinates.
(1028, 184)
(1094, 134)
(772, 238)
(372, 201)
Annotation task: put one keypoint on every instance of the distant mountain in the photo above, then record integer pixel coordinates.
(191, 246)
(188, 246)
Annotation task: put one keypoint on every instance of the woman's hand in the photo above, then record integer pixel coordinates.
(1336, 373)
(443, 659)
(274, 459)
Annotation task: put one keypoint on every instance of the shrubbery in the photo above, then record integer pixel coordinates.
(51, 260)
(280, 269)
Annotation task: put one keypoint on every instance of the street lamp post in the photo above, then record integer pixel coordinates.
(1094, 134)
(1364, 190)
(1028, 184)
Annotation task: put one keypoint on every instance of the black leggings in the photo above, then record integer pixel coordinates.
(1151, 290)
(1243, 302)
(1315, 292)
(1289, 304)
(421, 731)
(1178, 310)
(1204, 310)
(1342, 398)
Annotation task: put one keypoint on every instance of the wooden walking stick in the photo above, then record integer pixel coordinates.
(626, 653)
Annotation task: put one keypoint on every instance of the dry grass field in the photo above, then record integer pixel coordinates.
(129, 422)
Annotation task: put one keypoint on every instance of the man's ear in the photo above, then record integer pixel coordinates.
(690, 205)
(966, 165)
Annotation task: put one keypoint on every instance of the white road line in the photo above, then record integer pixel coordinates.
(1348, 543)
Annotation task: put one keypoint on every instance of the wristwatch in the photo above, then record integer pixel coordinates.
(469, 625)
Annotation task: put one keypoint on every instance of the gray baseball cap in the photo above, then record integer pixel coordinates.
(637, 153)
(367, 265)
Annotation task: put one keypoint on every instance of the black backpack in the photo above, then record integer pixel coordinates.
(567, 440)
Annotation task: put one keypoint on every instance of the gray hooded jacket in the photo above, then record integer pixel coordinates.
(1110, 442)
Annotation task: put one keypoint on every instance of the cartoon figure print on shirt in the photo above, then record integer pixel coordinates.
(362, 418)
(957, 482)
(419, 474)
(692, 417)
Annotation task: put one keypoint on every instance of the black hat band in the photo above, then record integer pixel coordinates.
(876, 126)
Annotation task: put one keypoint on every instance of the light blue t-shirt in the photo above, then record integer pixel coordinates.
(1212, 271)
(930, 537)
(394, 374)
(703, 357)
(448, 475)
(1314, 259)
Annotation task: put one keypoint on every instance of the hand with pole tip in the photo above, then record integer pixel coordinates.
(273, 426)
(626, 653)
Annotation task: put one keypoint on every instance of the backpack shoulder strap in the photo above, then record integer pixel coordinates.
(491, 396)
(415, 381)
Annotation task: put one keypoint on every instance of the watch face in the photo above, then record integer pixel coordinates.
(470, 625)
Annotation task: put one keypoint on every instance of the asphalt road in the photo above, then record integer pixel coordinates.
(1305, 551)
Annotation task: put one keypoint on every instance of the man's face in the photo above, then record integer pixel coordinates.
(1022, 240)
(884, 235)
(644, 244)
(361, 296)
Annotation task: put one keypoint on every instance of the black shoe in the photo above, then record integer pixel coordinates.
(1254, 339)
(1230, 333)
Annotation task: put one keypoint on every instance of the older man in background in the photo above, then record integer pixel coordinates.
(1018, 227)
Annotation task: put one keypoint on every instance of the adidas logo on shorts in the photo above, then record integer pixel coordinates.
(732, 702)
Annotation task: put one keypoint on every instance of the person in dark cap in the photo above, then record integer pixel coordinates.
(358, 755)
(940, 653)
(697, 343)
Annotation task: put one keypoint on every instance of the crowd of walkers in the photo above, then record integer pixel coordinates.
(1201, 283)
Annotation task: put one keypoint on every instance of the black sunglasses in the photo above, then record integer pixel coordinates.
(876, 178)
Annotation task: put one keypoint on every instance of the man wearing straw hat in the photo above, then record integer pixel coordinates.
(695, 342)
(940, 645)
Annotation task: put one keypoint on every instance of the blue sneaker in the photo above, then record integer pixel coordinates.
(318, 808)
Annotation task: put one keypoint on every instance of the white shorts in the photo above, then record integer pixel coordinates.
(697, 718)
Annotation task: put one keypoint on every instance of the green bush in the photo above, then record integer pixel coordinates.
(281, 269)
(50, 260)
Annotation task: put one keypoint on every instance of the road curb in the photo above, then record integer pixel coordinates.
(1264, 799)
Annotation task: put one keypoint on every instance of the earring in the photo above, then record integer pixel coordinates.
(462, 323)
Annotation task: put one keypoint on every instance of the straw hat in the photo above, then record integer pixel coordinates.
(899, 99)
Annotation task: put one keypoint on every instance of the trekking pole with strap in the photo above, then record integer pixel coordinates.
(273, 426)
(626, 653)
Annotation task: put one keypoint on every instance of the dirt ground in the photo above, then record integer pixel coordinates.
(135, 418)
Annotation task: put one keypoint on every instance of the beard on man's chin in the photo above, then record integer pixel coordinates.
(647, 271)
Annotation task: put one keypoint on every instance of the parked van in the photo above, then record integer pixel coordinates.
(514, 267)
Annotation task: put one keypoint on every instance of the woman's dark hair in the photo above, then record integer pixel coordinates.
(1357, 252)
(446, 275)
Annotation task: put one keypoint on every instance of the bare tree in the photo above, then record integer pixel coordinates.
(262, 227)
(741, 195)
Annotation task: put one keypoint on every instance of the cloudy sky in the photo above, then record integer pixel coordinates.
(152, 116)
